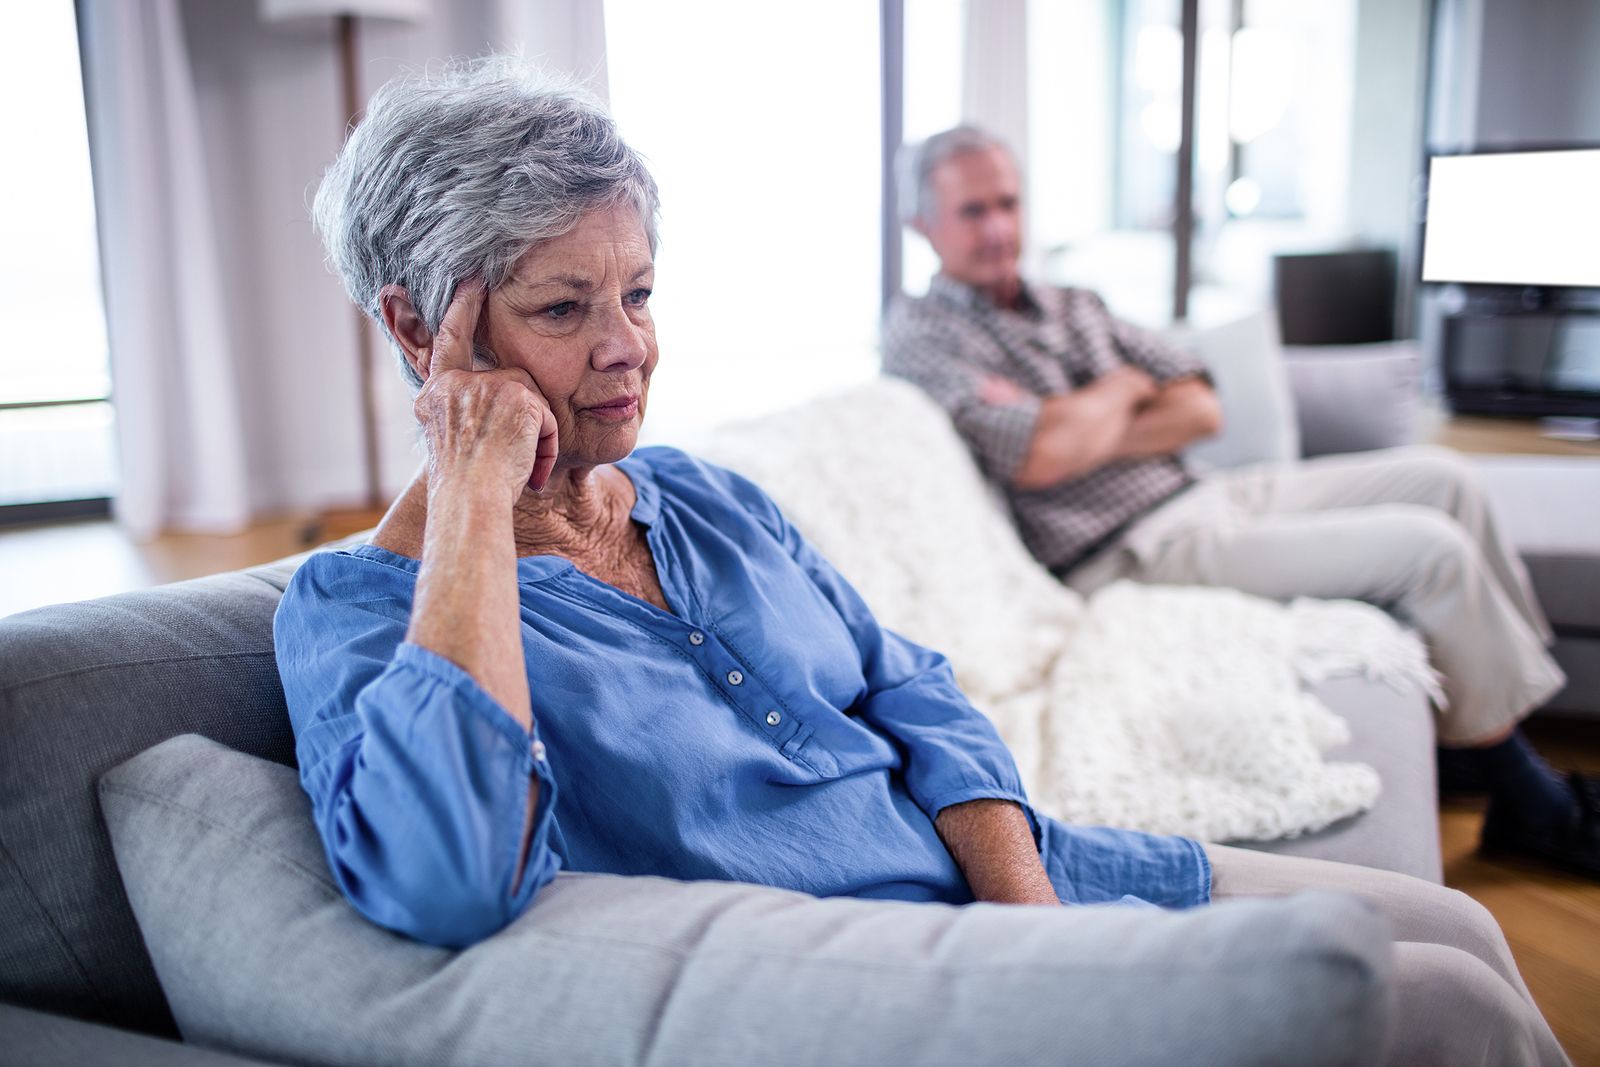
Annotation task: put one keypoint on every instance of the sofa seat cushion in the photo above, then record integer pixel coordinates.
(258, 953)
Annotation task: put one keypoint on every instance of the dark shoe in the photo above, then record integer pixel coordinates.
(1460, 773)
(1586, 787)
(1572, 845)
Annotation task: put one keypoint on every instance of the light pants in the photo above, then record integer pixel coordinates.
(1407, 529)
(1456, 996)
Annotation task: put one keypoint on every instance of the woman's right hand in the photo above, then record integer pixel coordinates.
(489, 425)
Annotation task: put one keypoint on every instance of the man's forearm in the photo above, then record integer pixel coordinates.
(1080, 430)
(1179, 415)
(993, 845)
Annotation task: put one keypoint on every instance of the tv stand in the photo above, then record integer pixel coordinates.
(1544, 362)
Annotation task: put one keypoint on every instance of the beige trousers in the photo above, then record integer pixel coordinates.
(1408, 529)
(1457, 998)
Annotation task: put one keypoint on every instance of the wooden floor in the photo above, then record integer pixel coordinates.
(1552, 921)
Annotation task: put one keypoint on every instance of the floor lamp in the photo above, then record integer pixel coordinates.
(346, 15)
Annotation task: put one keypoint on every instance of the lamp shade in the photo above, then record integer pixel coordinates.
(293, 10)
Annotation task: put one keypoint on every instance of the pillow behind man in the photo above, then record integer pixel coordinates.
(1355, 398)
(1245, 360)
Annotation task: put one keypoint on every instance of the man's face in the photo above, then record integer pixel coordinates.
(976, 226)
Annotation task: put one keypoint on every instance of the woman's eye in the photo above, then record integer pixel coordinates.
(639, 297)
(562, 310)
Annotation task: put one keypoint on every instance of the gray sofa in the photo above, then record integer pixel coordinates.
(86, 687)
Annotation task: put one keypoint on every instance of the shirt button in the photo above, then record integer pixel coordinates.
(773, 718)
(697, 638)
(735, 678)
(537, 749)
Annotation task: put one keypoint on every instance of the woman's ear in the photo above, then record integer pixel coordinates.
(406, 325)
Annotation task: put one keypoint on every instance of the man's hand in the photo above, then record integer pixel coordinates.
(1080, 430)
(1000, 390)
(1180, 413)
(492, 424)
(992, 843)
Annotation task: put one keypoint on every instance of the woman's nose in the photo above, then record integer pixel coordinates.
(623, 344)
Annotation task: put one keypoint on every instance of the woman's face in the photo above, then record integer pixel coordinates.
(575, 315)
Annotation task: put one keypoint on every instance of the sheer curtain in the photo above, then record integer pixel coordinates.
(232, 346)
(182, 453)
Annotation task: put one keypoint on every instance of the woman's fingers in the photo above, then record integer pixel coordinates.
(452, 345)
(544, 459)
(548, 445)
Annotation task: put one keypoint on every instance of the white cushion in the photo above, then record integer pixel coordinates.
(1245, 358)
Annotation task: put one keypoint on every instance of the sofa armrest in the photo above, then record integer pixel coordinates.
(43, 1040)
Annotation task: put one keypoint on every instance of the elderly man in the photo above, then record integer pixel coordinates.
(1080, 419)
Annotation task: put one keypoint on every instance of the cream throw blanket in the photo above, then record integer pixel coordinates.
(1173, 710)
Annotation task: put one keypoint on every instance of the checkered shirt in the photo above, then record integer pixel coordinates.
(950, 341)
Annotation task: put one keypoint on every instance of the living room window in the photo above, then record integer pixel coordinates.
(57, 432)
(766, 150)
(1272, 136)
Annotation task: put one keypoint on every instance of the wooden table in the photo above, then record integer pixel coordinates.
(1483, 434)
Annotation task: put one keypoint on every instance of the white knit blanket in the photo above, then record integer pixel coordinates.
(1173, 710)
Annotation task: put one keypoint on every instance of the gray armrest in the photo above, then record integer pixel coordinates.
(41, 1040)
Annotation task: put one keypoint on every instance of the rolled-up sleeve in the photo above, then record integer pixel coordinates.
(419, 780)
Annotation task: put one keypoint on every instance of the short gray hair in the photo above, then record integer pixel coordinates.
(919, 161)
(460, 172)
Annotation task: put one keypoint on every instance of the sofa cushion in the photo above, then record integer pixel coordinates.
(82, 688)
(1246, 364)
(1352, 398)
(260, 954)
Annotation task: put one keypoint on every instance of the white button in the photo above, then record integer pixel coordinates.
(735, 678)
(538, 750)
(697, 638)
(773, 718)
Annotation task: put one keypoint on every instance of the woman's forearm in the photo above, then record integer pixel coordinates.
(468, 608)
(993, 845)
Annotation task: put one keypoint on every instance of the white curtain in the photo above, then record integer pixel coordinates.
(232, 346)
(178, 418)
(995, 78)
(567, 35)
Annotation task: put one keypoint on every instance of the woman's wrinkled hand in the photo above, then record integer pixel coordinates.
(488, 425)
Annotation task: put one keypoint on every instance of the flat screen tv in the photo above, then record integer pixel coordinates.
(1523, 218)
(1520, 230)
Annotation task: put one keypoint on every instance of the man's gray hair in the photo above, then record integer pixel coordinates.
(460, 172)
(919, 161)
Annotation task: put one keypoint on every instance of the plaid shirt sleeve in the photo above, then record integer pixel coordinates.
(916, 348)
(1152, 353)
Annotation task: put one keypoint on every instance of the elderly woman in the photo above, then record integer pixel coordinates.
(559, 652)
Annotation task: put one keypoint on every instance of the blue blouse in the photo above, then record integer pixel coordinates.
(766, 730)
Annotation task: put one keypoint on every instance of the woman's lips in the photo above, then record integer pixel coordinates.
(620, 409)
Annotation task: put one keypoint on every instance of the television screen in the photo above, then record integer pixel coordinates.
(1514, 218)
